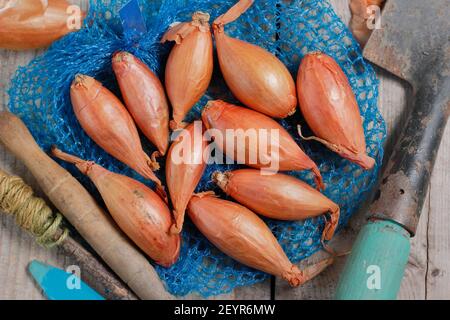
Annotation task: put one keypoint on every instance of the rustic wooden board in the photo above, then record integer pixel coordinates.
(428, 272)
(438, 269)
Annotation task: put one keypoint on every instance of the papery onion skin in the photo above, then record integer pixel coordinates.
(329, 106)
(144, 98)
(32, 24)
(221, 116)
(242, 235)
(138, 211)
(189, 66)
(278, 196)
(106, 120)
(254, 75)
(182, 178)
(359, 20)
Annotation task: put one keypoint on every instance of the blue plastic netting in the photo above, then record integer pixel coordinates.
(289, 29)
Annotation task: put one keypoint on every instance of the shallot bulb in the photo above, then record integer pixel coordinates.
(31, 24)
(255, 76)
(144, 98)
(251, 130)
(278, 196)
(241, 234)
(106, 120)
(137, 210)
(359, 22)
(185, 165)
(330, 108)
(190, 65)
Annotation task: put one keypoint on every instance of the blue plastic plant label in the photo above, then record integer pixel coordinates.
(132, 20)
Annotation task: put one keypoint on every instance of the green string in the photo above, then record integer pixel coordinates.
(31, 213)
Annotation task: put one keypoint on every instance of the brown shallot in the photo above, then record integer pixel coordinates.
(106, 120)
(138, 211)
(241, 234)
(329, 106)
(278, 196)
(185, 165)
(251, 130)
(144, 98)
(360, 18)
(255, 76)
(31, 24)
(189, 66)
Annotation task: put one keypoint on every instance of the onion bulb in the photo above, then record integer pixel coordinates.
(144, 98)
(137, 210)
(106, 120)
(251, 138)
(242, 235)
(32, 24)
(330, 108)
(189, 66)
(255, 76)
(185, 165)
(278, 196)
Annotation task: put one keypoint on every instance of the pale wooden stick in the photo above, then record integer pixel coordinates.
(34, 216)
(82, 211)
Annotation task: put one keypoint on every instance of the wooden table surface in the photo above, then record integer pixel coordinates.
(428, 272)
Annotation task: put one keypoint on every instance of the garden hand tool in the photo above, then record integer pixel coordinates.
(58, 284)
(413, 44)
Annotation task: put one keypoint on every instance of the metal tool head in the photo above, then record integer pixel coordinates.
(413, 43)
(414, 39)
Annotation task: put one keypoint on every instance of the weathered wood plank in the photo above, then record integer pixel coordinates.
(438, 271)
(414, 282)
(17, 248)
(421, 280)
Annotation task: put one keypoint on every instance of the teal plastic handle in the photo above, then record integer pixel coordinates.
(376, 265)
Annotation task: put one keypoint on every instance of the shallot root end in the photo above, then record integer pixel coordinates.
(177, 227)
(205, 194)
(152, 162)
(331, 224)
(221, 179)
(120, 56)
(202, 17)
(79, 79)
(297, 277)
(160, 190)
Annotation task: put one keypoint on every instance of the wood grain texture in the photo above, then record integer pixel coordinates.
(428, 271)
(17, 248)
(438, 271)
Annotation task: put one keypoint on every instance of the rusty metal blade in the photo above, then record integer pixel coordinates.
(414, 36)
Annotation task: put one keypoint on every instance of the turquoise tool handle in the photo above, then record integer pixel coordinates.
(375, 267)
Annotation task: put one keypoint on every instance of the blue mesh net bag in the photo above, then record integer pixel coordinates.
(288, 28)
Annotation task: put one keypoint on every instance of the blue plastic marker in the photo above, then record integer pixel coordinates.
(58, 284)
(133, 23)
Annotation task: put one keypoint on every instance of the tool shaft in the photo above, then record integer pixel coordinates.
(407, 176)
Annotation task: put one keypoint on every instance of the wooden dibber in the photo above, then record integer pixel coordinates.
(33, 215)
(82, 211)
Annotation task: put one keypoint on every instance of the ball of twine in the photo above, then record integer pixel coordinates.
(31, 213)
